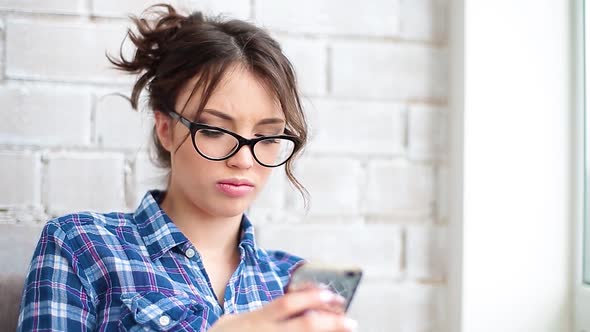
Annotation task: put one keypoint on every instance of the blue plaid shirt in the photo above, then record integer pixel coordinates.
(138, 272)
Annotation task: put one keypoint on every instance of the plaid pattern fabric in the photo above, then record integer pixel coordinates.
(138, 272)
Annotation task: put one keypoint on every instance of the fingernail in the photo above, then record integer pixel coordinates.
(350, 324)
(327, 296)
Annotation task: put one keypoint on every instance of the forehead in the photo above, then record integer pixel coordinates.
(240, 93)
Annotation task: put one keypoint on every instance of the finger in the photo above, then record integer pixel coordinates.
(305, 286)
(301, 286)
(320, 322)
(337, 306)
(293, 304)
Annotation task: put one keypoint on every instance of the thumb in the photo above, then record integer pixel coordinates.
(296, 303)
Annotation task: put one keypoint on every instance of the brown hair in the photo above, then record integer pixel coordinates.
(173, 48)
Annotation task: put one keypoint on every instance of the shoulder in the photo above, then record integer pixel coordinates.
(275, 268)
(83, 230)
(280, 261)
(92, 223)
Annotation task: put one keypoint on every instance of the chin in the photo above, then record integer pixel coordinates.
(230, 209)
(229, 213)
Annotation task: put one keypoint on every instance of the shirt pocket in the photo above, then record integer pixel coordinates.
(155, 311)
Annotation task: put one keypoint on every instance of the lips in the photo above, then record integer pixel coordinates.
(235, 188)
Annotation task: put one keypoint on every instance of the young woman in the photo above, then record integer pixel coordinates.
(227, 111)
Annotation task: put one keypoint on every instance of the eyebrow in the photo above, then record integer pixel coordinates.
(224, 116)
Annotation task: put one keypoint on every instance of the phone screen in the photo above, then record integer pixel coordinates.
(342, 281)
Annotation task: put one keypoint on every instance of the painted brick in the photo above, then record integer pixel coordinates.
(20, 174)
(380, 255)
(389, 71)
(424, 20)
(45, 115)
(146, 176)
(119, 126)
(348, 17)
(444, 193)
(45, 6)
(385, 306)
(2, 47)
(63, 51)
(270, 204)
(399, 188)
(356, 128)
(84, 181)
(423, 308)
(231, 8)
(273, 193)
(23, 215)
(377, 305)
(426, 252)
(334, 185)
(17, 244)
(309, 58)
(426, 132)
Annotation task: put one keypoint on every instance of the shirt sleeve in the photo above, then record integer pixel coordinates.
(54, 295)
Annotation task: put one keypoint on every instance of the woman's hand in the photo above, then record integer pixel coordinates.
(316, 310)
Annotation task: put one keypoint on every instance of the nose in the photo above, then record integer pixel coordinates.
(242, 159)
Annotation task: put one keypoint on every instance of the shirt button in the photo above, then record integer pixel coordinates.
(190, 253)
(164, 320)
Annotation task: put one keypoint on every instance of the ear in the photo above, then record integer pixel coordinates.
(164, 130)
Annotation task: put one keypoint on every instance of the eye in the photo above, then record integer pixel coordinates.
(269, 133)
(271, 141)
(211, 133)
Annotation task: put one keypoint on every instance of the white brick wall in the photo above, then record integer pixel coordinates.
(21, 178)
(399, 188)
(44, 115)
(388, 71)
(52, 6)
(426, 136)
(342, 17)
(425, 20)
(309, 57)
(118, 126)
(426, 252)
(361, 128)
(379, 305)
(115, 8)
(407, 307)
(145, 176)
(2, 28)
(56, 51)
(84, 181)
(380, 256)
(335, 184)
(374, 79)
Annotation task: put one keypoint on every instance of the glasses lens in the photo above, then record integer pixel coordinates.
(215, 144)
(274, 151)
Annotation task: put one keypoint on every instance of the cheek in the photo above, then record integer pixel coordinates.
(263, 173)
(187, 160)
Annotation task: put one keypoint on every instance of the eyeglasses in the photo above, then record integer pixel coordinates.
(214, 143)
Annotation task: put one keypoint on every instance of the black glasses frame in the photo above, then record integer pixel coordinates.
(193, 127)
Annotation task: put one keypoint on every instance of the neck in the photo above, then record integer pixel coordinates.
(213, 236)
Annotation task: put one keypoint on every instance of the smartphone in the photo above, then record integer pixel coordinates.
(339, 279)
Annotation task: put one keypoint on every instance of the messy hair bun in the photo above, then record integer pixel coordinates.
(150, 42)
(172, 48)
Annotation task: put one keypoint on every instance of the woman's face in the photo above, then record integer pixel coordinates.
(241, 104)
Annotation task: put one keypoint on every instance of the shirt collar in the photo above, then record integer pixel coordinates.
(247, 238)
(160, 234)
(155, 227)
